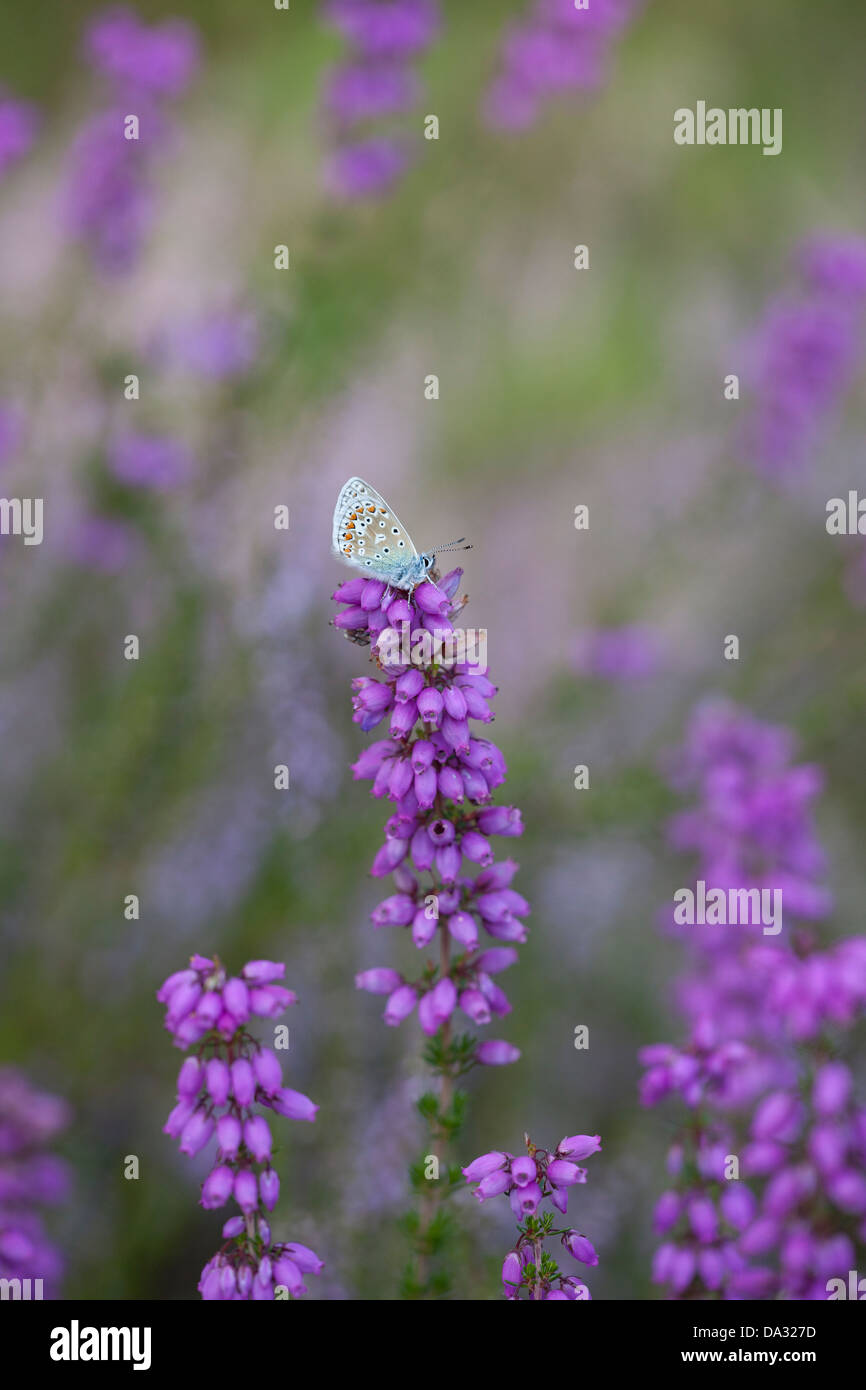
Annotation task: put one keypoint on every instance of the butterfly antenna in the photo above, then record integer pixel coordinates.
(452, 545)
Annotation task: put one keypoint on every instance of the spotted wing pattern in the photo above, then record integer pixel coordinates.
(368, 534)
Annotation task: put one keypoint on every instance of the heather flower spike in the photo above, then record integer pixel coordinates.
(367, 96)
(529, 1180)
(221, 1089)
(807, 350)
(452, 898)
(30, 1178)
(556, 49)
(754, 1071)
(109, 196)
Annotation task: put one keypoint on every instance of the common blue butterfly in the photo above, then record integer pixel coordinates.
(369, 535)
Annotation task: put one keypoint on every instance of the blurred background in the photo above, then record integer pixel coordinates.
(260, 387)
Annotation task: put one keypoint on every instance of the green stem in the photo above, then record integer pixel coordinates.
(430, 1200)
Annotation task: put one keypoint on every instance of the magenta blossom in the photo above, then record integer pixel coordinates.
(806, 352)
(153, 461)
(30, 1178)
(618, 653)
(376, 84)
(159, 60)
(219, 1088)
(556, 49)
(529, 1180)
(753, 1073)
(108, 198)
(452, 896)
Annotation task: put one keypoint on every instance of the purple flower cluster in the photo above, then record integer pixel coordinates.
(149, 460)
(218, 1091)
(160, 61)
(376, 84)
(751, 827)
(797, 1221)
(440, 778)
(628, 653)
(557, 49)
(769, 1196)
(30, 1178)
(529, 1180)
(108, 199)
(217, 345)
(18, 125)
(806, 352)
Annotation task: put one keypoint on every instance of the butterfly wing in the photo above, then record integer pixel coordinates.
(368, 534)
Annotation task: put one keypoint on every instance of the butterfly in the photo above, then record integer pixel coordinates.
(369, 535)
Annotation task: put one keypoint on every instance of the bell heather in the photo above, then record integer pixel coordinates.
(30, 1178)
(438, 846)
(157, 461)
(217, 345)
(378, 82)
(539, 1176)
(555, 49)
(108, 197)
(219, 1088)
(760, 1072)
(806, 352)
(619, 654)
(451, 895)
(161, 60)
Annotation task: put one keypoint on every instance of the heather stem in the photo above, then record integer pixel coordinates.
(440, 1140)
(441, 784)
(536, 1251)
